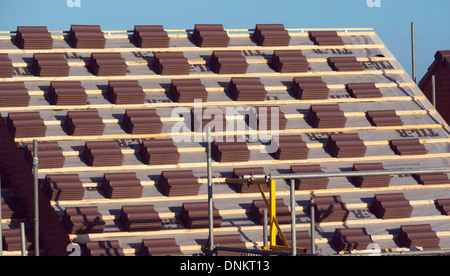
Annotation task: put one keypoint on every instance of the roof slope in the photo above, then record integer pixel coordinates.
(340, 96)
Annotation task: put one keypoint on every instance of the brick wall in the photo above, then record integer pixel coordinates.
(442, 76)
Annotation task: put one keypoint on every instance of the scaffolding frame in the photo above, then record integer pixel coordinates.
(273, 222)
(270, 178)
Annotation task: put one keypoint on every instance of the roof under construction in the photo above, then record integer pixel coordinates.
(120, 119)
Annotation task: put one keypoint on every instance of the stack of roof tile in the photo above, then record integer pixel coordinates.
(107, 64)
(230, 151)
(159, 152)
(443, 205)
(363, 90)
(102, 153)
(268, 117)
(210, 35)
(171, 63)
(187, 90)
(419, 235)
(326, 38)
(50, 155)
(177, 183)
(370, 181)
(310, 88)
(231, 241)
(389, 206)
(303, 239)
(282, 210)
(142, 121)
(432, 178)
(6, 66)
(291, 147)
(67, 93)
(159, 247)
(84, 122)
(247, 89)
(244, 187)
(195, 215)
(384, 118)
(12, 208)
(125, 92)
(309, 183)
(343, 64)
(26, 124)
(63, 187)
(200, 118)
(407, 147)
(271, 35)
(12, 241)
(329, 208)
(326, 116)
(87, 37)
(140, 218)
(289, 61)
(80, 220)
(348, 239)
(346, 145)
(103, 248)
(121, 185)
(50, 65)
(228, 62)
(34, 37)
(151, 36)
(13, 94)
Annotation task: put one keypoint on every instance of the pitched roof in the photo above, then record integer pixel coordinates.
(339, 98)
(440, 69)
(441, 58)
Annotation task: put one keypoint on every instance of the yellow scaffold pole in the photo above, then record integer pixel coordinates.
(271, 206)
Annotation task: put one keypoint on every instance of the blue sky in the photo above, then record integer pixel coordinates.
(391, 21)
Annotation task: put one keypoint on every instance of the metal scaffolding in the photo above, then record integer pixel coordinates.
(270, 178)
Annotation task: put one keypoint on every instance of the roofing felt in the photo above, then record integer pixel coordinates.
(340, 100)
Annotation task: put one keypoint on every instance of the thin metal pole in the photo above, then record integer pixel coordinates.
(293, 224)
(351, 173)
(413, 51)
(22, 238)
(313, 228)
(265, 228)
(210, 192)
(36, 197)
(433, 88)
(399, 253)
(266, 252)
